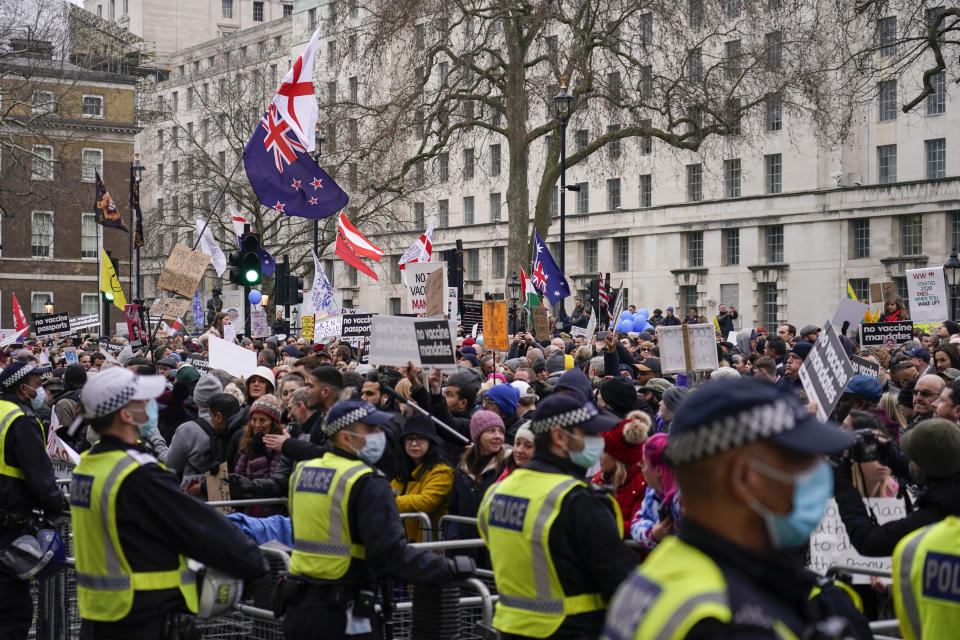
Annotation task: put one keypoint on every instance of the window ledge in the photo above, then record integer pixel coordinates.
(918, 259)
(678, 272)
(779, 266)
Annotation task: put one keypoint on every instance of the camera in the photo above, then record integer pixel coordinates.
(865, 447)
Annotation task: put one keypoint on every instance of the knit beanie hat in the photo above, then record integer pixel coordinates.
(505, 396)
(934, 445)
(673, 396)
(268, 405)
(619, 394)
(74, 377)
(556, 362)
(525, 433)
(207, 387)
(483, 420)
(625, 441)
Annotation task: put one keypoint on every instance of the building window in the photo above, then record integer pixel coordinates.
(41, 234)
(614, 145)
(861, 288)
(769, 303)
(583, 198)
(695, 13)
(91, 162)
(688, 298)
(90, 302)
(773, 170)
(901, 285)
(732, 59)
(623, 254)
(443, 168)
(774, 243)
(175, 102)
(860, 229)
(581, 139)
(732, 9)
(590, 256)
(468, 210)
(774, 51)
(730, 296)
(312, 23)
(954, 230)
(936, 158)
(351, 277)
(418, 215)
(646, 28)
(887, 91)
(731, 178)
(92, 106)
(494, 160)
(89, 236)
(287, 10)
(160, 174)
(354, 88)
(695, 65)
(613, 194)
(443, 213)
(473, 264)
(774, 112)
(499, 262)
(887, 163)
(731, 247)
(43, 102)
(646, 142)
(695, 248)
(226, 8)
(646, 190)
(937, 101)
(554, 203)
(42, 163)
(911, 235)
(468, 164)
(257, 11)
(694, 182)
(39, 300)
(495, 204)
(352, 47)
(887, 36)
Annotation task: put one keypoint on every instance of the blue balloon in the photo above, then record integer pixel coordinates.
(643, 312)
(626, 314)
(648, 327)
(254, 297)
(626, 325)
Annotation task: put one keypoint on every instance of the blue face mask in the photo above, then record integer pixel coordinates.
(148, 428)
(812, 490)
(590, 454)
(373, 448)
(38, 400)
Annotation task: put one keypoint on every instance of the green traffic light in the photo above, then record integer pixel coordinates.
(108, 296)
(251, 275)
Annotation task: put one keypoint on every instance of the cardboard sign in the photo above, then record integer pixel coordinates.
(830, 545)
(417, 273)
(851, 311)
(218, 487)
(47, 325)
(471, 313)
(70, 355)
(198, 362)
(183, 271)
(230, 357)
(436, 294)
(864, 367)
(688, 347)
(825, 372)
(541, 323)
(885, 334)
(393, 341)
(927, 293)
(327, 328)
(171, 308)
(84, 321)
(435, 344)
(306, 327)
(883, 292)
(259, 326)
(495, 336)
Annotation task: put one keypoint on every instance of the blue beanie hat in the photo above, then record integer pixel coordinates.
(505, 396)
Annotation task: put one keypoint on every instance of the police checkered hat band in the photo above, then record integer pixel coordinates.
(565, 420)
(17, 373)
(112, 389)
(347, 419)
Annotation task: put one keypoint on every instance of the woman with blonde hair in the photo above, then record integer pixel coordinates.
(891, 407)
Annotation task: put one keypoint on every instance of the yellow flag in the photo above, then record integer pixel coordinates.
(109, 282)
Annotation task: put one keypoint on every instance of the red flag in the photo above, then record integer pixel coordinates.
(347, 254)
(19, 321)
(360, 245)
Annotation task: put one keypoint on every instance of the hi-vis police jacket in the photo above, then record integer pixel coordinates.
(926, 581)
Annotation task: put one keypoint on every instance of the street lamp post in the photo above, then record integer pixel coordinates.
(952, 272)
(513, 292)
(562, 102)
(136, 174)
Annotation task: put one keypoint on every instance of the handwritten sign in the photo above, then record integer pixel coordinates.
(830, 545)
(825, 372)
(927, 293)
(172, 308)
(306, 327)
(688, 347)
(883, 292)
(218, 487)
(417, 273)
(258, 323)
(471, 313)
(436, 293)
(327, 328)
(183, 271)
(541, 322)
(885, 334)
(580, 332)
(495, 326)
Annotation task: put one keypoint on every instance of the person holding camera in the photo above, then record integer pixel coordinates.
(930, 459)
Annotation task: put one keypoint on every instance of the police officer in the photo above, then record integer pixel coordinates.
(134, 528)
(346, 531)
(555, 544)
(26, 482)
(748, 459)
(926, 563)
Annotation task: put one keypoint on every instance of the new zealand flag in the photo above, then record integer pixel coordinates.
(284, 176)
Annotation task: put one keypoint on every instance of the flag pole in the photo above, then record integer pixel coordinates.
(216, 202)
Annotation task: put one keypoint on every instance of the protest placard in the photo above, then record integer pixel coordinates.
(105, 346)
(326, 328)
(9, 336)
(70, 355)
(356, 327)
(51, 323)
(495, 336)
(417, 273)
(830, 545)
(436, 293)
(864, 367)
(885, 334)
(435, 345)
(218, 487)
(230, 357)
(825, 372)
(688, 347)
(578, 331)
(229, 332)
(198, 362)
(851, 311)
(541, 323)
(883, 292)
(471, 313)
(84, 321)
(138, 337)
(183, 271)
(171, 308)
(306, 327)
(393, 341)
(452, 309)
(927, 294)
(259, 327)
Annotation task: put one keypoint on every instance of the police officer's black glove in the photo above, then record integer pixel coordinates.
(462, 566)
(240, 486)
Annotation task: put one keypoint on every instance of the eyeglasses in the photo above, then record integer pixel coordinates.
(416, 439)
(924, 393)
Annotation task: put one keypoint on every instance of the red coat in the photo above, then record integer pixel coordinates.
(629, 496)
(896, 316)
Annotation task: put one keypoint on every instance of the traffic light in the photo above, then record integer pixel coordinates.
(294, 290)
(280, 286)
(245, 263)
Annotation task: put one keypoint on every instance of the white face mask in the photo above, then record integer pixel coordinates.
(373, 447)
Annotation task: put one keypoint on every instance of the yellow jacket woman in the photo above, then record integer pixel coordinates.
(424, 481)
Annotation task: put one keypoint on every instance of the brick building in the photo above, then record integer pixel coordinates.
(61, 124)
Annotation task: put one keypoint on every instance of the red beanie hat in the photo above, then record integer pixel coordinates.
(625, 441)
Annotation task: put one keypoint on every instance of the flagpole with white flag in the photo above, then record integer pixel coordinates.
(211, 248)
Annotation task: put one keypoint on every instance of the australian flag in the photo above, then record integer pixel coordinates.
(283, 174)
(546, 276)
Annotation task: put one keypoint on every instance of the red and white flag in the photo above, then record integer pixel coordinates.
(419, 251)
(19, 320)
(360, 245)
(347, 254)
(57, 449)
(237, 220)
(295, 99)
(604, 298)
(177, 324)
